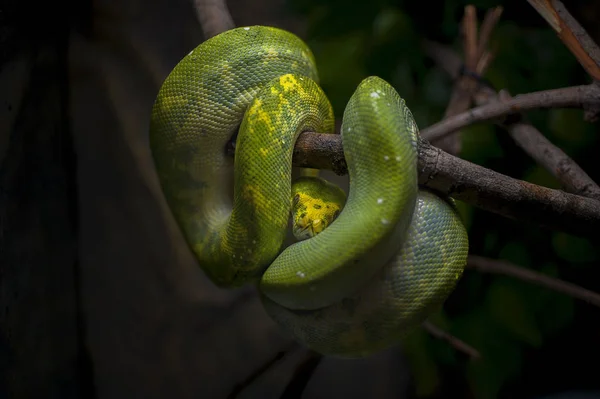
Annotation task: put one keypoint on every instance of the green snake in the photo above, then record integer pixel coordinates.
(391, 254)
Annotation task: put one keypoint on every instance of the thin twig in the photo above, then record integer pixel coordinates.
(490, 21)
(469, 26)
(454, 342)
(473, 184)
(508, 269)
(569, 97)
(214, 17)
(571, 34)
(477, 59)
(484, 62)
(302, 375)
(460, 99)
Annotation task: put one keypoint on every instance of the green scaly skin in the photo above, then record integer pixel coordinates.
(392, 255)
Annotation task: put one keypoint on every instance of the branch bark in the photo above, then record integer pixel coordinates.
(571, 34)
(569, 97)
(473, 184)
(487, 265)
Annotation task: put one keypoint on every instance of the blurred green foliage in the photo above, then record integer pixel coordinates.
(515, 325)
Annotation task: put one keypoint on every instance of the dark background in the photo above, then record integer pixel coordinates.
(100, 298)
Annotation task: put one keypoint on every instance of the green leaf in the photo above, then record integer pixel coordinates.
(554, 311)
(512, 312)
(466, 213)
(516, 252)
(480, 144)
(331, 54)
(501, 360)
(500, 355)
(573, 249)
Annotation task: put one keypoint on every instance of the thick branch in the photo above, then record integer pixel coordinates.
(502, 267)
(214, 17)
(454, 342)
(571, 34)
(569, 97)
(473, 184)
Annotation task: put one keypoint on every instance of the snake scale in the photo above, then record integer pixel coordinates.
(392, 255)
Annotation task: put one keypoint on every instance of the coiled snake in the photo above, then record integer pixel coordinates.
(383, 265)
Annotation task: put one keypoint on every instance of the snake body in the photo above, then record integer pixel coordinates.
(392, 255)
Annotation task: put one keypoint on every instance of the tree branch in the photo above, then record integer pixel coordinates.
(571, 34)
(214, 17)
(473, 184)
(568, 173)
(460, 99)
(492, 16)
(477, 59)
(454, 342)
(571, 177)
(569, 97)
(508, 269)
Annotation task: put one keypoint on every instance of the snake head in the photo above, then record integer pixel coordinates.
(316, 203)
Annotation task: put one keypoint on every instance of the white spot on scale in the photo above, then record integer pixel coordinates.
(398, 158)
(385, 221)
(233, 256)
(380, 200)
(300, 274)
(374, 95)
(386, 158)
(253, 241)
(191, 52)
(349, 129)
(246, 28)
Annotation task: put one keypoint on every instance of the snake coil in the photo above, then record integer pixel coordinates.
(393, 254)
